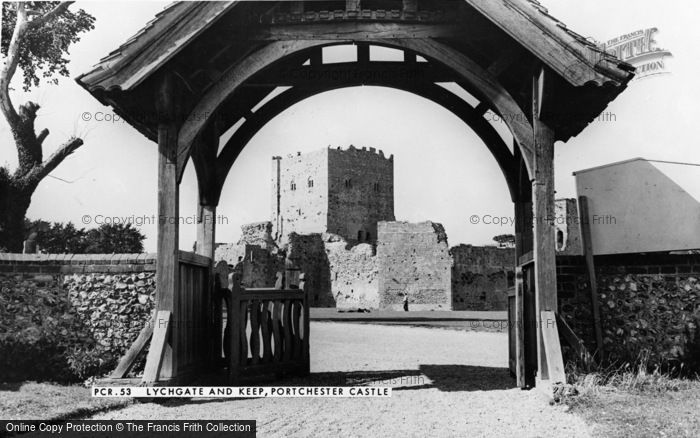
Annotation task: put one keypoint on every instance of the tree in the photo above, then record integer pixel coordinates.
(35, 38)
(505, 240)
(62, 239)
(114, 239)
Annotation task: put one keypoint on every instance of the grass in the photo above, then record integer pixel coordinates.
(633, 402)
(51, 401)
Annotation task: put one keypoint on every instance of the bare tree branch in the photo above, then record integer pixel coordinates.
(53, 13)
(42, 136)
(53, 161)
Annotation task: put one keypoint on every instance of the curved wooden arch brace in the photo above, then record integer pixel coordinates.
(203, 154)
(500, 100)
(430, 91)
(231, 80)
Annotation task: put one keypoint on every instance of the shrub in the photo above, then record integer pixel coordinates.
(85, 362)
(37, 327)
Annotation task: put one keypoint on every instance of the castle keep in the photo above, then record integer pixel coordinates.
(333, 218)
(344, 192)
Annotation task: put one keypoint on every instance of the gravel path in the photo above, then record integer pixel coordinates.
(446, 383)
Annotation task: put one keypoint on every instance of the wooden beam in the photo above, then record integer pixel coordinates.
(482, 108)
(155, 362)
(167, 275)
(363, 54)
(127, 361)
(585, 221)
(316, 57)
(227, 84)
(268, 55)
(354, 31)
(504, 60)
(362, 71)
(480, 79)
(571, 338)
(552, 347)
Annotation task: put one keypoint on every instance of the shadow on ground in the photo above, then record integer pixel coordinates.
(449, 378)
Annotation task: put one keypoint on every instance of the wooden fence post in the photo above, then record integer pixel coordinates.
(233, 317)
(306, 355)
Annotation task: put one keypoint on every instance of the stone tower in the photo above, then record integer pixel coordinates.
(340, 191)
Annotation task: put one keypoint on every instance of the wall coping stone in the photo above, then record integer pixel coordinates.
(77, 263)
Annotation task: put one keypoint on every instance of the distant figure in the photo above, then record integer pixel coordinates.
(405, 302)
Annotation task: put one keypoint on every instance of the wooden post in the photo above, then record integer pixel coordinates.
(544, 229)
(525, 326)
(167, 264)
(585, 221)
(352, 5)
(206, 230)
(203, 154)
(520, 323)
(210, 332)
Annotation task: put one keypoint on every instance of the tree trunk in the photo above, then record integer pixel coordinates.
(14, 202)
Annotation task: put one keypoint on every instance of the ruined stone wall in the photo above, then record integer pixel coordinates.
(568, 227)
(303, 196)
(481, 276)
(361, 192)
(259, 234)
(647, 302)
(259, 267)
(256, 255)
(414, 260)
(308, 253)
(354, 273)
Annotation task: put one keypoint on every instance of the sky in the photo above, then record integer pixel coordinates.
(442, 171)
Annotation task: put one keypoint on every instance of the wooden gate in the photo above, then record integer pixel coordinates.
(267, 330)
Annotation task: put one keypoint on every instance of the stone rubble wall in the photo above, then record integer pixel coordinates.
(255, 257)
(481, 276)
(647, 302)
(414, 261)
(354, 272)
(84, 308)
